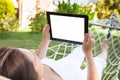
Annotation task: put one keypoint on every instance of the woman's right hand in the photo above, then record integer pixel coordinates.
(88, 44)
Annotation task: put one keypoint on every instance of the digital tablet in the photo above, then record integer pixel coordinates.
(67, 27)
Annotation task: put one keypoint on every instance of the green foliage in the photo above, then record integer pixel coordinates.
(8, 21)
(75, 9)
(105, 8)
(38, 22)
(113, 4)
(119, 75)
(6, 7)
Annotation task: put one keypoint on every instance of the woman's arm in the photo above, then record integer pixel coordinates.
(87, 48)
(42, 48)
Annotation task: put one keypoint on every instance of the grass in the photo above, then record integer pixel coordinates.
(20, 39)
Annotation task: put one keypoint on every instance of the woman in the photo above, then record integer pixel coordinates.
(23, 64)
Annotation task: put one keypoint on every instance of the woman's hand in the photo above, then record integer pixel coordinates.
(87, 48)
(45, 33)
(88, 44)
(42, 49)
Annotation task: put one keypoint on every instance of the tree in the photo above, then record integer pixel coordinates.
(106, 7)
(7, 15)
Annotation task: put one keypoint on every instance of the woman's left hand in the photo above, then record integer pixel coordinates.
(46, 33)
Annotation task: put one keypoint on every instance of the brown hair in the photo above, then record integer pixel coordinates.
(15, 65)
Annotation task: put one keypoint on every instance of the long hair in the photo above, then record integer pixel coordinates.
(15, 65)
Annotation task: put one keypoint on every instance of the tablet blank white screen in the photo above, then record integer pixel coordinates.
(67, 28)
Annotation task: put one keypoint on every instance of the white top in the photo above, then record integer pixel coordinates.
(65, 70)
(68, 68)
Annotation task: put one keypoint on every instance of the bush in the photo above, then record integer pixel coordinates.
(75, 9)
(6, 7)
(8, 21)
(105, 8)
(38, 22)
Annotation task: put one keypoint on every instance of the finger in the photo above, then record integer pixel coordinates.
(85, 38)
(47, 27)
(91, 37)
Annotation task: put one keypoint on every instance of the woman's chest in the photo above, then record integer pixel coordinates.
(50, 74)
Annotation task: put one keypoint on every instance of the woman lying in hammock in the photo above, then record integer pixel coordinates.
(23, 64)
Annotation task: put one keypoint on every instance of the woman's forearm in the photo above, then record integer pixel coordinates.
(42, 49)
(87, 48)
(92, 71)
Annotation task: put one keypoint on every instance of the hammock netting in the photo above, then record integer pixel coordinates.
(59, 50)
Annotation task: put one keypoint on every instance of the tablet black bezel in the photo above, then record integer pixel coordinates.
(71, 15)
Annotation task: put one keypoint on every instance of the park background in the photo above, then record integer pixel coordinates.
(22, 21)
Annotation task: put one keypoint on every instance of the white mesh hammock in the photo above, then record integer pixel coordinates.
(112, 71)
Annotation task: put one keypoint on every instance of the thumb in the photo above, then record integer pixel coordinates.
(86, 38)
